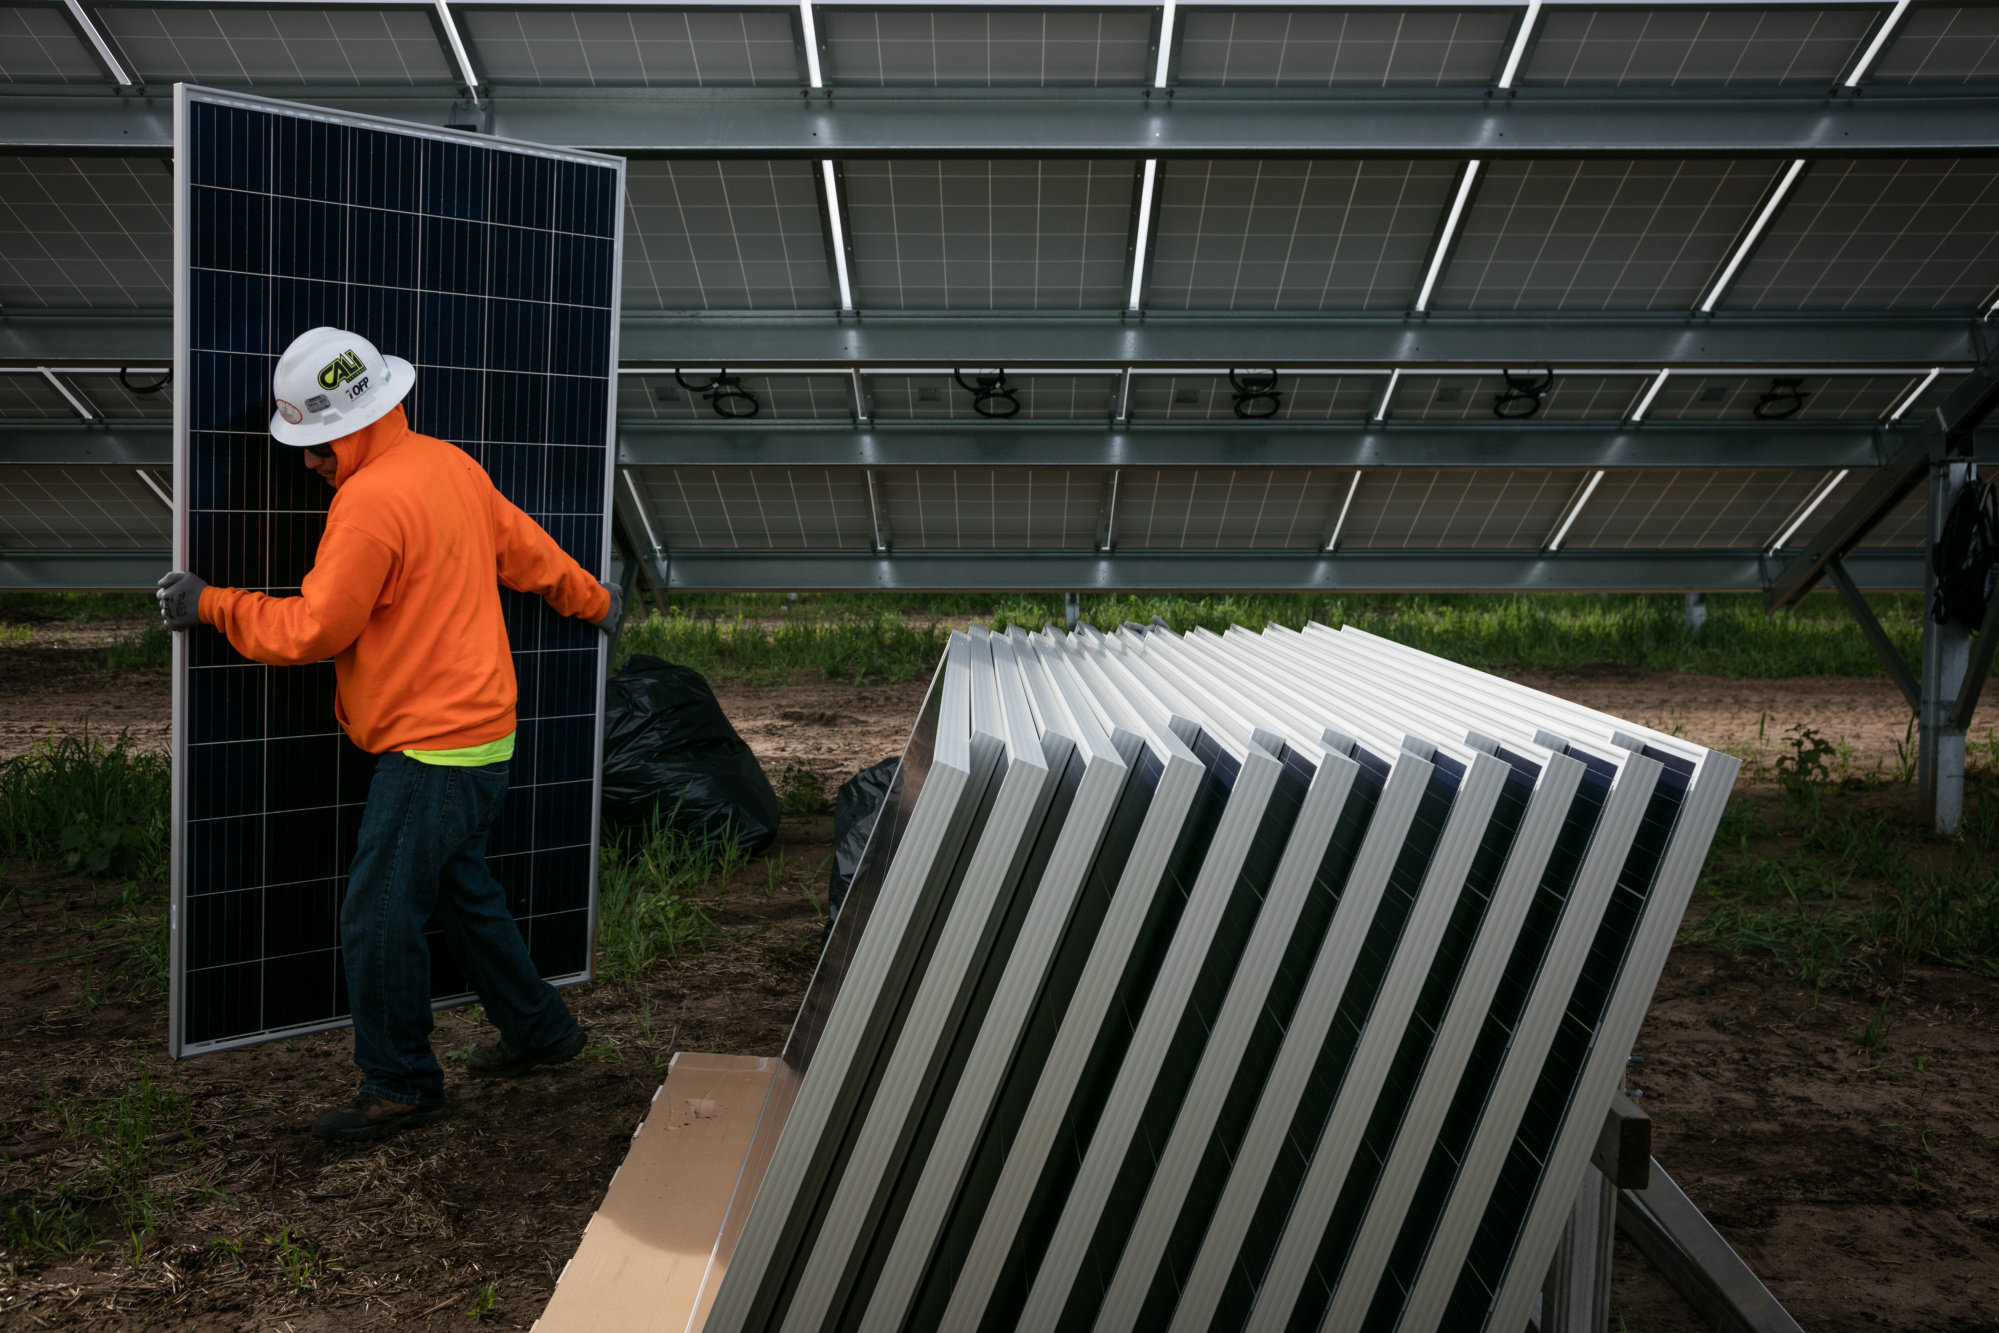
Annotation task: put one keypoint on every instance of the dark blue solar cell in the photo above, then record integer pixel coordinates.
(516, 409)
(309, 159)
(383, 248)
(228, 312)
(583, 269)
(454, 257)
(517, 339)
(387, 171)
(520, 265)
(308, 239)
(448, 253)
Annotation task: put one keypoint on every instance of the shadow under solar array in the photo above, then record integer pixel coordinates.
(490, 268)
(1247, 982)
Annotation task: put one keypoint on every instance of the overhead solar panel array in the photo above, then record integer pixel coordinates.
(845, 225)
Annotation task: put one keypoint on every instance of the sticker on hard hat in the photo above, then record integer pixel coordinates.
(290, 413)
(339, 370)
(319, 402)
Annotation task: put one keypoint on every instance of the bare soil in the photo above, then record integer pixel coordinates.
(1863, 1184)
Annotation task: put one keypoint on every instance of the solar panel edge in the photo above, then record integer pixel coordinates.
(952, 786)
(1540, 1232)
(1402, 792)
(1387, 1018)
(1326, 801)
(1042, 934)
(1443, 1073)
(1089, 1190)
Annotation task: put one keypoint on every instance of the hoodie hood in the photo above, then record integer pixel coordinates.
(364, 446)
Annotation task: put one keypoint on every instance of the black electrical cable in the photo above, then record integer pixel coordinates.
(725, 393)
(1254, 388)
(987, 390)
(155, 387)
(1523, 397)
(1785, 398)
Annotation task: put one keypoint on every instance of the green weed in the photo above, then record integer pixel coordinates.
(151, 647)
(102, 809)
(485, 1300)
(799, 791)
(643, 879)
(299, 1261)
(1875, 1031)
(11, 635)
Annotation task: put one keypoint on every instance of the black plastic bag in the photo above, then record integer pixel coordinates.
(854, 811)
(668, 749)
(1967, 556)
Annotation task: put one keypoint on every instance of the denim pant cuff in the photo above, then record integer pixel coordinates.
(403, 1094)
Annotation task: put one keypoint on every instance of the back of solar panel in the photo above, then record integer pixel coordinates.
(490, 266)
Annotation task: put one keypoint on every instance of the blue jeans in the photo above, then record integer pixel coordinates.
(422, 856)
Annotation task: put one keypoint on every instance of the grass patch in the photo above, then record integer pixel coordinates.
(771, 638)
(151, 647)
(98, 809)
(644, 880)
(123, 1184)
(861, 649)
(1832, 878)
(76, 608)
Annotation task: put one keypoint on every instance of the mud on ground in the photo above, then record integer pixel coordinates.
(1863, 1184)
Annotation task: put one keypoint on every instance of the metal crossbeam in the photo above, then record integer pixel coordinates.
(1432, 444)
(1883, 490)
(841, 445)
(82, 571)
(1158, 342)
(1141, 123)
(912, 570)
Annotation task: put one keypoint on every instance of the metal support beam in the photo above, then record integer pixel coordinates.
(1946, 657)
(82, 571)
(1318, 444)
(923, 444)
(651, 551)
(1371, 571)
(1160, 341)
(1041, 122)
(1692, 1256)
(1855, 519)
(1884, 648)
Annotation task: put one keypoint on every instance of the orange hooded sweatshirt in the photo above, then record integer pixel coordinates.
(404, 594)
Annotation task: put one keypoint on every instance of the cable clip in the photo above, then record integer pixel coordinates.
(1524, 395)
(725, 393)
(1252, 388)
(1784, 399)
(988, 390)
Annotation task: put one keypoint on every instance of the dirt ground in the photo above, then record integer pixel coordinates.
(1862, 1185)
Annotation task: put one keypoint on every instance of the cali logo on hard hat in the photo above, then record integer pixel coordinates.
(342, 368)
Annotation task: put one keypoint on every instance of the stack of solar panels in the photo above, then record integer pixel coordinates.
(1259, 982)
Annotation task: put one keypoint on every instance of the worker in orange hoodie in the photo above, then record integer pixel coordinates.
(404, 596)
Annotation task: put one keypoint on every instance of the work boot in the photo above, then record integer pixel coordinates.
(496, 1059)
(370, 1117)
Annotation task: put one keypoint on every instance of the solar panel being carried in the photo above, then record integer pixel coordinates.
(489, 265)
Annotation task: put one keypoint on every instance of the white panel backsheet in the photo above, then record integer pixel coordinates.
(1212, 983)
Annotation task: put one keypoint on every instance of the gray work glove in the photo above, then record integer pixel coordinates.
(616, 613)
(180, 599)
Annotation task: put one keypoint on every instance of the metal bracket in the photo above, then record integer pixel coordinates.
(1686, 1249)
(1891, 657)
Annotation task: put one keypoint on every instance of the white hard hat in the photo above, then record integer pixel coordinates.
(331, 383)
